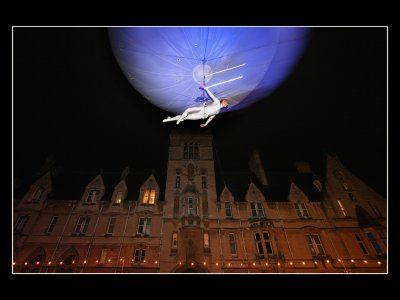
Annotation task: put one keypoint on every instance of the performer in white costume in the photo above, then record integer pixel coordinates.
(201, 112)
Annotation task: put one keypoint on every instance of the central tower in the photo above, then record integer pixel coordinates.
(190, 199)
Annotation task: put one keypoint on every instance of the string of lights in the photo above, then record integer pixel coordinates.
(229, 263)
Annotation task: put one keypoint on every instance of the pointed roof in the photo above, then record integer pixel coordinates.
(305, 182)
(110, 179)
(296, 194)
(136, 179)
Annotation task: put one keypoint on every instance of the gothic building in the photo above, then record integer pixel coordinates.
(194, 217)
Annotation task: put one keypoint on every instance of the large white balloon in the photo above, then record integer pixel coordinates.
(244, 64)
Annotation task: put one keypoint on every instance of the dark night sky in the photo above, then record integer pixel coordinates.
(72, 101)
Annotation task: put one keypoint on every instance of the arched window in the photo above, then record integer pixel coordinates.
(68, 262)
(192, 206)
(34, 263)
(178, 180)
(119, 197)
(206, 239)
(174, 244)
(203, 181)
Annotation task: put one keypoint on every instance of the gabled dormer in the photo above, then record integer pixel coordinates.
(226, 195)
(254, 194)
(39, 190)
(299, 200)
(227, 201)
(296, 195)
(120, 192)
(94, 191)
(149, 191)
(255, 198)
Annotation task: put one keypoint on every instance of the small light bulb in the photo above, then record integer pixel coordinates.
(303, 262)
(192, 264)
(229, 264)
(266, 264)
(25, 263)
(279, 263)
(204, 263)
(315, 262)
(379, 262)
(37, 263)
(84, 261)
(254, 264)
(327, 261)
(156, 262)
(180, 262)
(49, 263)
(61, 262)
(291, 263)
(14, 263)
(365, 261)
(216, 264)
(352, 260)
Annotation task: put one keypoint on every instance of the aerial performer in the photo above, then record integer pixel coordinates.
(204, 111)
(166, 65)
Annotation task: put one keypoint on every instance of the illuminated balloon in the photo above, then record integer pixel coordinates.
(243, 64)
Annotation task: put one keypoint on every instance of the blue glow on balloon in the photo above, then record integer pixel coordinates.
(243, 64)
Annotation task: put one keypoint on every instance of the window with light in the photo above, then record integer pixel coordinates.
(149, 196)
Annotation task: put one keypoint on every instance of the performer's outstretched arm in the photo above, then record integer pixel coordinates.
(215, 99)
(208, 121)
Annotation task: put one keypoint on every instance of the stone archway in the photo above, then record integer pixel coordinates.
(35, 261)
(68, 261)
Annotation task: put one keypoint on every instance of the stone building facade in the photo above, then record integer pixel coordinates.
(195, 218)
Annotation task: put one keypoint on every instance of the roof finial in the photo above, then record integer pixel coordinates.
(125, 172)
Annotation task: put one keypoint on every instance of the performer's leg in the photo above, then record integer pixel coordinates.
(169, 119)
(194, 116)
(188, 112)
